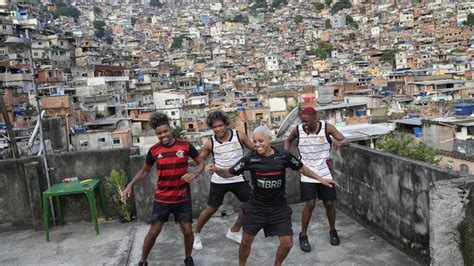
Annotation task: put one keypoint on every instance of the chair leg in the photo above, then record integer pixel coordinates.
(46, 215)
(103, 201)
(92, 206)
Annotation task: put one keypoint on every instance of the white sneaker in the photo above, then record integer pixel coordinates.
(234, 236)
(197, 245)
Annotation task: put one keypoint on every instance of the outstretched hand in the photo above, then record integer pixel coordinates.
(126, 193)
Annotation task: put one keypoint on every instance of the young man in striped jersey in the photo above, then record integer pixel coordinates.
(172, 194)
(226, 147)
(267, 208)
(314, 144)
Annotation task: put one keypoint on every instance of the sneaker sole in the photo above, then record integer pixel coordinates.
(234, 240)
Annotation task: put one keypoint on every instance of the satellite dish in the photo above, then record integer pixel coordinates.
(290, 118)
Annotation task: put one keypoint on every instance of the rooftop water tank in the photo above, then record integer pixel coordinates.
(463, 109)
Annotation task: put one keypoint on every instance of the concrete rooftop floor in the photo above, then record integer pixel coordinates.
(120, 244)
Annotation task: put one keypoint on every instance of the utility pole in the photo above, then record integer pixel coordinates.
(11, 134)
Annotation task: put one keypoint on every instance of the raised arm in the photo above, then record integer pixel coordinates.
(340, 140)
(246, 140)
(293, 135)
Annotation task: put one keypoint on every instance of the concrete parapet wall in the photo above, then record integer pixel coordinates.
(390, 195)
(425, 211)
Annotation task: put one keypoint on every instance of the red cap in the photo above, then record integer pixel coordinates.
(308, 111)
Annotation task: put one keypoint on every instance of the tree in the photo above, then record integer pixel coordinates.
(99, 27)
(259, 4)
(358, 58)
(342, 4)
(389, 56)
(66, 10)
(177, 42)
(470, 19)
(97, 10)
(322, 51)
(328, 3)
(109, 40)
(327, 24)
(279, 3)
(133, 20)
(319, 6)
(298, 19)
(156, 3)
(240, 18)
(352, 36)
(350, 21)
(407, 148)
(98, 24)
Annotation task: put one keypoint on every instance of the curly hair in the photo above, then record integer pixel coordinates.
(158, 119)
(217, 116)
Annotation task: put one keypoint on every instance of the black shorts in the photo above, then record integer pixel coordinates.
(182, 212)
(309, 191)
(275, 221)
(217, 192)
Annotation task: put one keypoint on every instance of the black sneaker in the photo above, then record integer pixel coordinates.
(334, 238)
(304, 244)
(188, 261)
(141, 263)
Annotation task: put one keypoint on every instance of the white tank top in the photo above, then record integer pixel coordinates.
(225, 155)
(314, 151)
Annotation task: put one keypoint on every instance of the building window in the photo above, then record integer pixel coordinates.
(101, 140)
(173, 113)
(190, 125)
(116, 140)
(83, 142)
(464, 169)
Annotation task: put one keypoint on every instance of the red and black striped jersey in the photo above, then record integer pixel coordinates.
(172, 164)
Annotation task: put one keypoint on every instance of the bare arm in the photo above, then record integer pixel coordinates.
(246, 141)
(189, 177)
(220, 171)
(341, 141)
(137, 178)
(308, 172)
(293, 135)
(206, 150)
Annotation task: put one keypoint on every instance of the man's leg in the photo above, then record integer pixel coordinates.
(286, 242)
(306, 215)
(238, 223)
(245, 247)
(242, 191)
(331, 214)
(187, 230)
(204, 216)
(150, 239)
